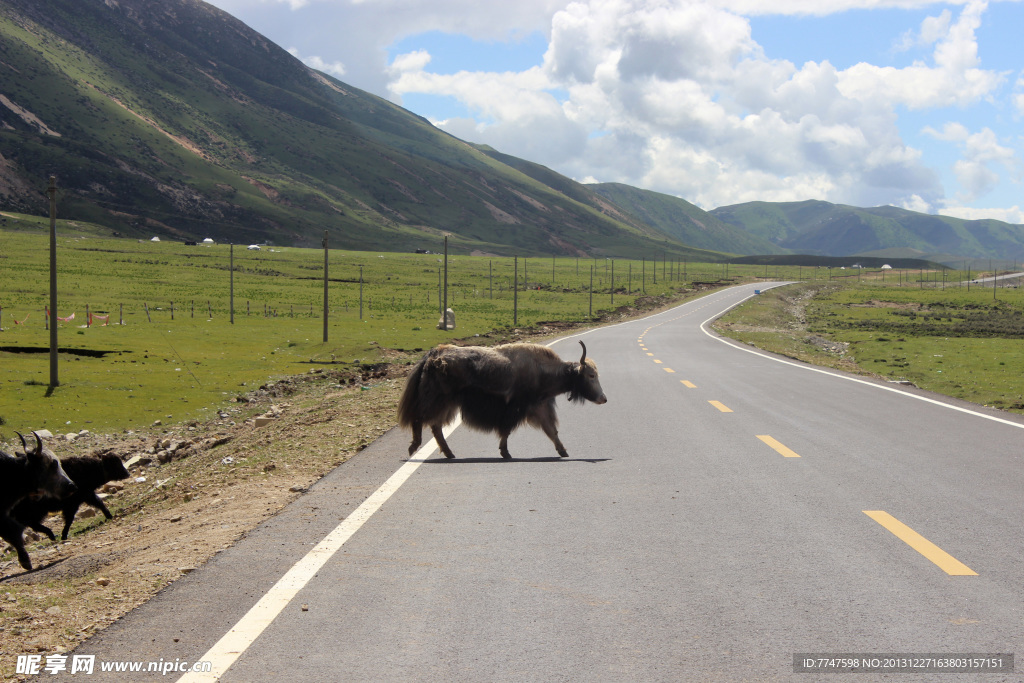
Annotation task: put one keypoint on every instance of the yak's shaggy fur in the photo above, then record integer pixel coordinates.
(496, 390)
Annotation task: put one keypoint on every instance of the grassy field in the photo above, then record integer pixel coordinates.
(178, 356)
(959, 341)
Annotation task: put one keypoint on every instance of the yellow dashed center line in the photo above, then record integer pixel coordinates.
(655, 360)
(940, 557)
(721, 407)
(668, 369)
(783, 450)
(688, 384)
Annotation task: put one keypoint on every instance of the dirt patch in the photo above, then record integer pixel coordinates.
(197, 488)
(874, 303)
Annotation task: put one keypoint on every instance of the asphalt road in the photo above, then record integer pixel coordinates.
(724, 511)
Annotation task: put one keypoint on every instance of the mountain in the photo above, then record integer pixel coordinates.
(817, 227)
(684, 221)
(172, 118)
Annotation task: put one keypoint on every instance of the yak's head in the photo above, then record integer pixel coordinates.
(586, 386)
(45, 473)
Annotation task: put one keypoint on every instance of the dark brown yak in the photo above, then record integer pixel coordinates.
(496, 389)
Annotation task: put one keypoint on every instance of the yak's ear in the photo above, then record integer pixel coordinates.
(583, 358)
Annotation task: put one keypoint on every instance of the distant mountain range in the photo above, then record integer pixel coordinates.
(172, 118)
(817, 227)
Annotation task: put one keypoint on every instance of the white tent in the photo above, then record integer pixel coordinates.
(886, 267)
(155, 239)
(208, 241)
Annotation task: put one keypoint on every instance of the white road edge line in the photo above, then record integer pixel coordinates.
(811, 368)
(236, 641)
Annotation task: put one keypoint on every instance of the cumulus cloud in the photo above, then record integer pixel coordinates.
(1012, 215)
(679, 96)
(336, 69)
(1018, 95)
(954, 79)
(980, 151)
(932, 30)
(688, 103)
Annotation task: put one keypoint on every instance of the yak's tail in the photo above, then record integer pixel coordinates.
(409, 410)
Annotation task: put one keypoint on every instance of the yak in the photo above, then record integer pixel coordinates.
(88, 472)
(36, 472)
(496, 390)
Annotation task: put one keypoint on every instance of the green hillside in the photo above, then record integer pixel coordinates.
(684, 221)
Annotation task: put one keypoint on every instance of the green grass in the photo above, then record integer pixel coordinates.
(965, 343)
(157, 367)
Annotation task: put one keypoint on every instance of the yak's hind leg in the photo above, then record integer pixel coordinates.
(417, 436)
(435, 429)
(503, 446)
(543, 416)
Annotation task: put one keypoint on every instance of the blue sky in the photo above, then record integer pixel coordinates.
(867, 102)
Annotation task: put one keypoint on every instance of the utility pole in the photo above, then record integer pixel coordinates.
(231, 304)
(52, 191)
(515, 293)
(326, 310)
(444, 307)
(613, 282)
(590, 310)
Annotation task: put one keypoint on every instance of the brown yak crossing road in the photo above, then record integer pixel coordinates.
(817, 513)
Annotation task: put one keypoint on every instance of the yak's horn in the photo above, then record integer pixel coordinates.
(39, 444)
(584, 356)
(23, 444)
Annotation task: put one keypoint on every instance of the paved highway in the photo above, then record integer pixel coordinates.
(724, 511)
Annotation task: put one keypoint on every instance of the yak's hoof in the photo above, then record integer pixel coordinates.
(506, 455)
(450, 456)
(563, 454)
(25, 563)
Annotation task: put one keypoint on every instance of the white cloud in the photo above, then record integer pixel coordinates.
(955, 79)
(915, 203)
(411, 61)
(336, 69)
(1012, 215)
(686, 100)
(1018, 97)
(932, 29)
(980, 151)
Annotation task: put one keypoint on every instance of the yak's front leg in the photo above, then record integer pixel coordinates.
(441, 443)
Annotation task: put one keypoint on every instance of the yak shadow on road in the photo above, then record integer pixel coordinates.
(499, 459)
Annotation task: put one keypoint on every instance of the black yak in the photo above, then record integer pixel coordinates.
(89, 472)
(496, 389)
(36, 472)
